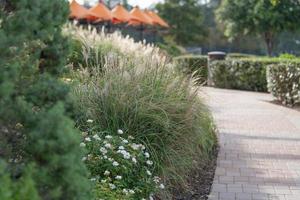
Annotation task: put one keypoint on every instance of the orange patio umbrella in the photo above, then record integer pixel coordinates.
(120, 14)
(138, 17)
(156, 19)
(77, 11)
(99, 13)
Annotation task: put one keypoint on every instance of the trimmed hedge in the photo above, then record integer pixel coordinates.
(196, 65)
(280, 76)
(243, 74)
(240, 55)
(284, 82)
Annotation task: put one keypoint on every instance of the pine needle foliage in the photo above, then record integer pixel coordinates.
(35, 131)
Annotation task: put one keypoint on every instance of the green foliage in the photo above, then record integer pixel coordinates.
(239, 55)
(195, 65)
(33, 124)
(252, 44)
(284, 82)
(171, 48)
(244, 74)
(262, 17)
(121, 167)
(287, 56)
(185, 18)
(56, 151)
(81, 58)
(105, 192)
(216, 40)
(159, 111)
(147, 97)
(23, 188)
(75, 57)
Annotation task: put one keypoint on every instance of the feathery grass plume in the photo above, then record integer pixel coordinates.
(136, 88)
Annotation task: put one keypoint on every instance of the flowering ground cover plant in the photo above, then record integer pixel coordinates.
(120, 168)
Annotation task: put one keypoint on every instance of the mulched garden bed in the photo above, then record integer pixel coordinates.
(200, 181)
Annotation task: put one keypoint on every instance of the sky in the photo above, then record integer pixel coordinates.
(140, 3)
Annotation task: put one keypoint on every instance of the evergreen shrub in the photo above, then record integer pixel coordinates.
(39, 145)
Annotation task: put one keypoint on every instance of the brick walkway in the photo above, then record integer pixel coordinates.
(259, 154)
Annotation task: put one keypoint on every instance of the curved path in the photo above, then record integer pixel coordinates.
(259, 154)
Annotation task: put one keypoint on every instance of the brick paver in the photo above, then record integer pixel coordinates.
(259, 154)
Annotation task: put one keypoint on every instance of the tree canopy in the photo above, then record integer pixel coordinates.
(266, 18)
(186, 19)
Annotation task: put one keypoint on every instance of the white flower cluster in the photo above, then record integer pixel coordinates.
(118, 154)
(126, 191)
(125, 154)
(90, 121)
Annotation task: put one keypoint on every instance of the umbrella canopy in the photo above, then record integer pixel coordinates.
(156, 19)
(99, 13)
(120, 14)
(78, 11)
(138, 17)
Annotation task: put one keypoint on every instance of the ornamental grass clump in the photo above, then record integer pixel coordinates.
(92, 49)
(137, 89)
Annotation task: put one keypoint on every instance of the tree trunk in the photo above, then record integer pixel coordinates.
(269, 39)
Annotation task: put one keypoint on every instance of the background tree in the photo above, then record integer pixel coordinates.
(125, 4)
(266, 18)
(186, 20)
(39, 145)
(216, 40)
